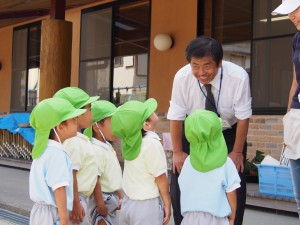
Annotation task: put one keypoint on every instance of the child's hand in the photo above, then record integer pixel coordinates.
(231, 221)
(102, 210)
(167, 215)
(77, 214)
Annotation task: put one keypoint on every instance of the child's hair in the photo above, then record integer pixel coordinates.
(52, 134)
(143, 131)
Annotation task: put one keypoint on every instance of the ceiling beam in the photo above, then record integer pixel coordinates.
(23, 14)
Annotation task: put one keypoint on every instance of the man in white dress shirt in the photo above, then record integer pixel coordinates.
(208, 82)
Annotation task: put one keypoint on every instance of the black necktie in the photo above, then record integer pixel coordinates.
(210, 103)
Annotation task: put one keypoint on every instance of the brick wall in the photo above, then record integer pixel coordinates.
(265, 134)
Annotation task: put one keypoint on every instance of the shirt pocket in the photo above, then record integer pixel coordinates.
(226, 109)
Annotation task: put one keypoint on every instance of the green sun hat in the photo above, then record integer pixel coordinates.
(126, 123)
(78, 97)
(151, 105)
(101, 110)
(208, 150)
(47, 115)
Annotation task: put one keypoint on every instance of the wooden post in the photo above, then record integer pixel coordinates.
(55, 67)
(57, 9)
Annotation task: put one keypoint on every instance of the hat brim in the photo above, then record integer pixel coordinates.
(89, 101)
(75, 113)
(151, 105)
(286, 8)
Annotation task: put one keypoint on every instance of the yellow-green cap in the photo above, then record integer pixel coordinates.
(101, 110)
(76, 96)
(126, 123)
(208, 150)
(47, 115)
(151, 105)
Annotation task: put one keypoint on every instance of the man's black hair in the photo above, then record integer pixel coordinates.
(204, 46)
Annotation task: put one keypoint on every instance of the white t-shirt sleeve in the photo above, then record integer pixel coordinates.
(178, 108)
(154, 158)
(73, 148)
(232, 180)
(57, 173)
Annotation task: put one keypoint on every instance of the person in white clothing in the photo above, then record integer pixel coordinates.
(50, 179)
(104, 212)
(208, 82)
(145, 181)
(82, 155)
(208, 179)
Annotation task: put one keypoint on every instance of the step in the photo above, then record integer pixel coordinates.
(254, 198)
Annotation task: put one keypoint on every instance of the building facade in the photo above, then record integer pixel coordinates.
(113, 55)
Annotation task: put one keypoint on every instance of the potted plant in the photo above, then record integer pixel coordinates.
(251, 170)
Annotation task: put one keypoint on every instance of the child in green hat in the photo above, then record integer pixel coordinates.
(82, 155)
(50, 179)
(208, 179)
(109, 169)
(145, 180)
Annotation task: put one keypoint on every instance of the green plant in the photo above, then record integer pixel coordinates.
(250, 165)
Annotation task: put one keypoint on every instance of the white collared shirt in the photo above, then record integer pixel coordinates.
(52, 170)
(139, 174)
(81, 152)
(234, 101)
(109, 168)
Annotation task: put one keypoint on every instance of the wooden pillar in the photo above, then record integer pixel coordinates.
(55, 67)
(208, 18)
(218, 15)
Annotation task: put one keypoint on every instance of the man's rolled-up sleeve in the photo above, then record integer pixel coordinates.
(177, 109)
(242, 106)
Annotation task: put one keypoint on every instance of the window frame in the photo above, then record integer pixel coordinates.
(113, 6)
(22, 27)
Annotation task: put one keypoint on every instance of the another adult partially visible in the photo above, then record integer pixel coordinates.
(291, 120)
(208, 82)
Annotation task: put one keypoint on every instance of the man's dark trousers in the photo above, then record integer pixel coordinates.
(229, 136)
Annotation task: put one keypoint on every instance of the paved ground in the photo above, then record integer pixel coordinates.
(15, 197)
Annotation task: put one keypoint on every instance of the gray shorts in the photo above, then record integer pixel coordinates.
(83, 203)
(200, 218)
(137, 212)
(111, 201)
(41, 213)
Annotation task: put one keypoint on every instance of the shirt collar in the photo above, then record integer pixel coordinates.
(151, 134)
(216, 81)
(55, 144)
(82, 136)
(100, 143)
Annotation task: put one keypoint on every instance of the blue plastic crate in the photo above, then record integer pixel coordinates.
(275, 180)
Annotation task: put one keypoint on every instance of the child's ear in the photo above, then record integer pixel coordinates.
(59, 127)
(94, 128)
(146, 125)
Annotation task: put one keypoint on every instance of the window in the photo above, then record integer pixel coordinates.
(115, 50)
(272, 69)
(25, 67)
(261, 43)
(232, 28)
(95, 52)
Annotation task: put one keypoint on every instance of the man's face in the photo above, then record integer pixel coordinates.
(204, 69)
(295, 18)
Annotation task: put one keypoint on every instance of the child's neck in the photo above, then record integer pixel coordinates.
(100, 138)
